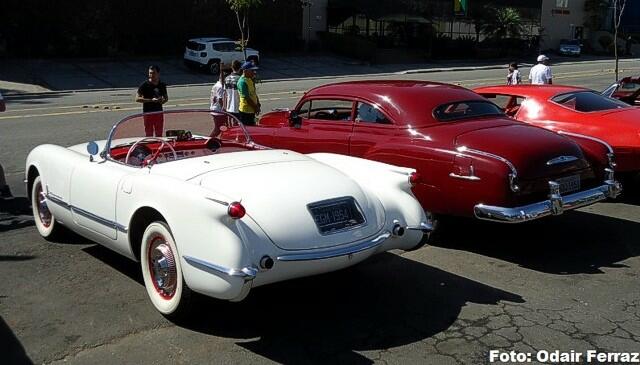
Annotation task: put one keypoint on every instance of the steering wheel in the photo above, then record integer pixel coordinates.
(150, 160)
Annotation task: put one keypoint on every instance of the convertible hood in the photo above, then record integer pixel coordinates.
(529, 148)
(276, 195)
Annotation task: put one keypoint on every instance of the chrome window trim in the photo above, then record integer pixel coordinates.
(105, 222)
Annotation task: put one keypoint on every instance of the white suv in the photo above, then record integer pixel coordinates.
(213, 52)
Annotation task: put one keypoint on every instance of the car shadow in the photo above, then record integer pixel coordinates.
(15, 213)
(10, 347)
(574, 243)
(385, 302)
(124, 265)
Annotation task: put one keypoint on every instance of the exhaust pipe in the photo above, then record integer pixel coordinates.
(266, 263)
(397, 230)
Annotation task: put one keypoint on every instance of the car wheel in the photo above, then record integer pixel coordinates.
(162, 272)
(428, 237)
(45, 222)
(214, 67)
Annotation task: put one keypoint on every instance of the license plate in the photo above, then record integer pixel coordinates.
(569, 184)
(333, 216)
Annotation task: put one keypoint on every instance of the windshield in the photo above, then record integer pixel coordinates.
(150, 138)
(587, 101)
(466, 110)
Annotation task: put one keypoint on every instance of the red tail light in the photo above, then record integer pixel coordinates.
(414, 178)
(236, 210)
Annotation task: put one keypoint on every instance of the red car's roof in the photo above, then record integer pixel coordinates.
(540, 91)
(410, 102)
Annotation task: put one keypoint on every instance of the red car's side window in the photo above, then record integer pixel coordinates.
(367, 113)
(327, 109)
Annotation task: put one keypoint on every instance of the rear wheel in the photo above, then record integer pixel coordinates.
(162, 271)
(45, 222)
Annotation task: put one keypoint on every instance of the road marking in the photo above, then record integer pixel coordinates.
(75, 112)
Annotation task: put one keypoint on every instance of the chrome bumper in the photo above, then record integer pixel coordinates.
(555, 205)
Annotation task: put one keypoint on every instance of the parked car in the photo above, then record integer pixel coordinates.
(214, 52)
(572, 110)
(220, 214)
(626, 89)
(471, 159)
(571, 47)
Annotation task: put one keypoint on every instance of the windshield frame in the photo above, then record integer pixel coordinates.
(106, 152)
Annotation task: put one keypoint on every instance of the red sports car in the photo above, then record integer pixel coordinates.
(568, 109)
(627, 90)
(471, 159)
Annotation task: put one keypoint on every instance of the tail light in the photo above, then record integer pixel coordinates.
(414, 178)
(236, 210)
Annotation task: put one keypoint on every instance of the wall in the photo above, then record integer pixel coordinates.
(560, 22)
(317, 13)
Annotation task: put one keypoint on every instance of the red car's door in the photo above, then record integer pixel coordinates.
(372, 127)
(327, 125)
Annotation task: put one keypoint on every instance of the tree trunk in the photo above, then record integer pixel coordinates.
(615, 35)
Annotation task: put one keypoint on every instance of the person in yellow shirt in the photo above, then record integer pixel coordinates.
(249, 101)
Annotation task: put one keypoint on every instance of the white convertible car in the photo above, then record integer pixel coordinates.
(204, 209)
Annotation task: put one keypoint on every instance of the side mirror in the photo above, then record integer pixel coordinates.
(295, 120)
(92, 148)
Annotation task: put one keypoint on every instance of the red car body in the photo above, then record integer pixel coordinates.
(626, 89)
(471, 158)
(575, 110)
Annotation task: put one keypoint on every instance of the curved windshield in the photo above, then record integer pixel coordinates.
(466, 110)
(151, 138)
(587, 101)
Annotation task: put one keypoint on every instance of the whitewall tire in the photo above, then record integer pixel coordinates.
(44, 220)
(162, 271)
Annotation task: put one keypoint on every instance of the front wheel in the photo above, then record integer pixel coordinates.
(162, 271)
(45, 222)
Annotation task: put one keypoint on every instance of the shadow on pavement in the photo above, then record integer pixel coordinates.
(11, 350)
(124, 265)
(385, 302)
(15, 213)
(574, 243)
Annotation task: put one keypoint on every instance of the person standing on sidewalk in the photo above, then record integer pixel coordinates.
(540, 74)
(232, 97)
(249, 102)
(152, 94)
(513, 77)
(5, 192)
(217, 94)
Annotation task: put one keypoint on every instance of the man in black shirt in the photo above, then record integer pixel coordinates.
(152, 94)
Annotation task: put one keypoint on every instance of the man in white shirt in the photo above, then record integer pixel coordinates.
(232, 97)
(540, 74)
(217, 94)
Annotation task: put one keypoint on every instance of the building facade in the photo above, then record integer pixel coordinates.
(562, 19)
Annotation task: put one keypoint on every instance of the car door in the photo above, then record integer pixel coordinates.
(372, 127)
(93, 191)
(326, 126)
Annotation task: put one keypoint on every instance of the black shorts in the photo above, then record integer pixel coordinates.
(247, 118)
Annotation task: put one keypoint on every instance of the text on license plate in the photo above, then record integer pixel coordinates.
(569, 184)
(335, 215)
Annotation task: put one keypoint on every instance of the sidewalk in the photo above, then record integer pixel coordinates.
(41, 76)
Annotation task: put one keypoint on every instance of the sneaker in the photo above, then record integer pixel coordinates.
(5, 192)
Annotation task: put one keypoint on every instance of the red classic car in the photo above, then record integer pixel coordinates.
(627, 90)
(471, 158)
(568, 109)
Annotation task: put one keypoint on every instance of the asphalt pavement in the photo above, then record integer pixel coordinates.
(565, 283)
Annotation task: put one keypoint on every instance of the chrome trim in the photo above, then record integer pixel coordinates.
(513, 176)
(337, 252)
(589, 138)
(105, 222)
(247, 273)
(218, 201)
(561, 159)
(470, 178)
(423, 226)
(555, 205)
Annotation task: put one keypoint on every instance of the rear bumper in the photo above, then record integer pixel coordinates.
(555, 205)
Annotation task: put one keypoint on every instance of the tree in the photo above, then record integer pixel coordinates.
(241, 9)
(618, 10)
(502, 23)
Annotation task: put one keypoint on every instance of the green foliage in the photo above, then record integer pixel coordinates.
(243, 5)
(502, 23)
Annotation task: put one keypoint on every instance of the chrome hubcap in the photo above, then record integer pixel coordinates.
(41, 205)
(162, 267)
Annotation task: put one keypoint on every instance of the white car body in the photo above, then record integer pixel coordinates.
(110, 203)
(211, 51)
